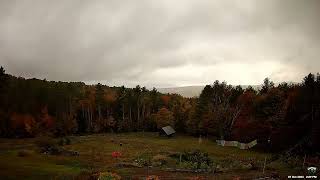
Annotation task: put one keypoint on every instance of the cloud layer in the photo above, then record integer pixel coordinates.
(160, 43)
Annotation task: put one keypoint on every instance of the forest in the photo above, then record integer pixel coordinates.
(279, 116)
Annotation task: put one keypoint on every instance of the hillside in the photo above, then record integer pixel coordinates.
(192, 91)
(186, 91)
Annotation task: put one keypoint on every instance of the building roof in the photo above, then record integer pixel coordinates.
(168, 130)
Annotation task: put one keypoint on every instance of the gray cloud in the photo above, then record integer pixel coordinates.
(160, 43)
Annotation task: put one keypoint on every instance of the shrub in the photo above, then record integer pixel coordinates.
(159, 160)
(292, 161)
(109, 176)
(144, 159)
(195, 160)
(188, 165)
(116, 154)
(45, 141)
(68, 141)
(64, 141)
(61, 142)
(48, 145)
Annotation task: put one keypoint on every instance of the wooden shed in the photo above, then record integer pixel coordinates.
(167, 131)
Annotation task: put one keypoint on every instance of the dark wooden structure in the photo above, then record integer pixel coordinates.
(167, 131)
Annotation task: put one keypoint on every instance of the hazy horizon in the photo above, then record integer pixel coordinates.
(150, 87)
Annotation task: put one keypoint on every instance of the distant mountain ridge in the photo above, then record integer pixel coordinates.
(193, 91)
(186, 91)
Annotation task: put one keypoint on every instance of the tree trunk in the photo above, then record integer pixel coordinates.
(123, 111)
(143, 115)
(234, 118)
(91, 118)
(138, 116)
(70, 105)
(87, 119)
(130, 120)
(99, 112)
(107, 111)
(83, 116)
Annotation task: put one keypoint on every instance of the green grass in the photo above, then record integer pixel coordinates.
(14, 167)
(95, 153)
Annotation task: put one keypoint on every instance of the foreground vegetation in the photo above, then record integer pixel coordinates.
(142, 155)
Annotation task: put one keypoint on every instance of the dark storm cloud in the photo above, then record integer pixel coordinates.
(160, 43)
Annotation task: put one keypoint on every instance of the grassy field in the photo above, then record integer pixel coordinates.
(95, 154)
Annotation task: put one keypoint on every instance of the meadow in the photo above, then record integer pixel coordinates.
(142, 155)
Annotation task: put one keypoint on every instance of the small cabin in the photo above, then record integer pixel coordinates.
(167, 131)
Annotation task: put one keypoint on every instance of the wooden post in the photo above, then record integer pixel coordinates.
(264, 164)
(304, 160)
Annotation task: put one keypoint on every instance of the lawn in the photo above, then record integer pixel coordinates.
(95, 154)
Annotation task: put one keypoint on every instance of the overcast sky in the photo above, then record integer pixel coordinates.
(161, 43)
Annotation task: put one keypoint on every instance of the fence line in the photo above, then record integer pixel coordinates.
(237, 144)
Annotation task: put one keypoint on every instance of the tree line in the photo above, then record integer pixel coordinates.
(280, 115)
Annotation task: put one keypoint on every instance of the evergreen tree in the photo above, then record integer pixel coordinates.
(267, 84)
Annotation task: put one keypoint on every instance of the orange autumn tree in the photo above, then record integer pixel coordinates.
(23, 124)
(164, 117)
(46, 121)
(165, 100)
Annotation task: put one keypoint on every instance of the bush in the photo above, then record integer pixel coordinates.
(68, 141)
(109, 176)
(292, 161)
(53, 149)
(188, 165)
(45, 142)
(195, 160)
(144, 159)
(64, 141)
(48, 145)
(159, 160)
